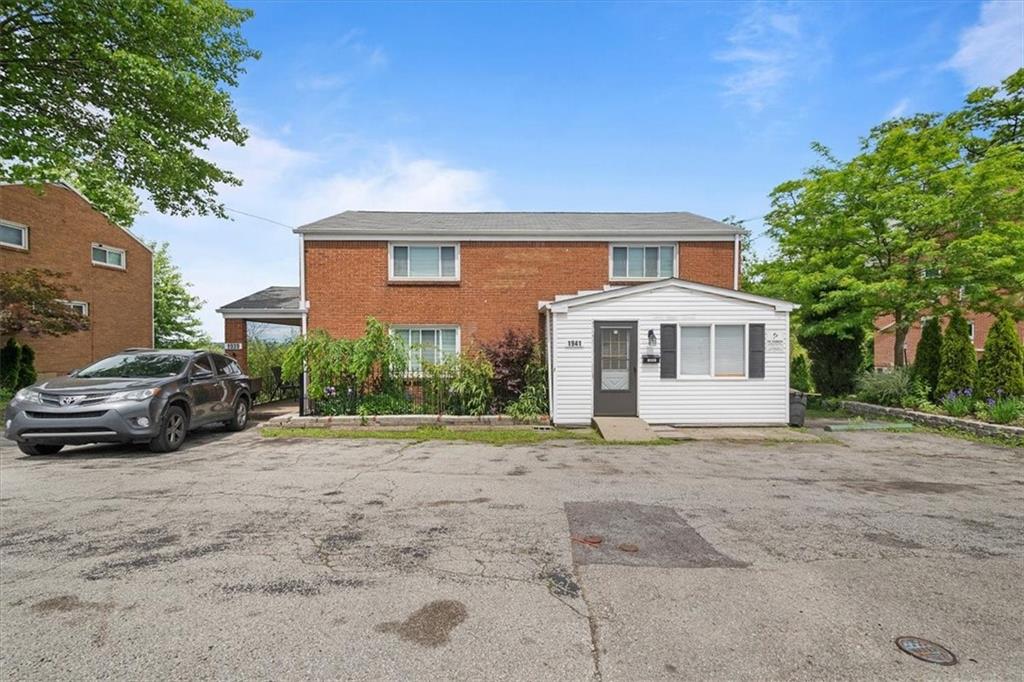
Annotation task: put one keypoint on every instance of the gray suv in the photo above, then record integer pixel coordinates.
(136, 396)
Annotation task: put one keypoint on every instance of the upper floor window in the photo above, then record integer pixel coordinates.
(14, 235)
(643, 261)
(80, 307)
(424, 261)
(108, 255)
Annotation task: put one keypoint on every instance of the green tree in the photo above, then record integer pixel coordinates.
(926, 362)
(32, 302)
(1001, 370)
(958, 361)
(26, 367)
(927, 216)
(175, 324)
(10, 365)
(121, 96)
(799, 374)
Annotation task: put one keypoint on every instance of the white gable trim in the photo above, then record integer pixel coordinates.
(563, 305)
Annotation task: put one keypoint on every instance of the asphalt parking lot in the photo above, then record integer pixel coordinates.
(242, 557)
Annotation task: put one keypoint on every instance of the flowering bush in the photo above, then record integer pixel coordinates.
(1002, 410)
(958, 403)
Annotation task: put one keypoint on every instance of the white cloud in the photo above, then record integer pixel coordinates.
(767, 49)
(900, 109)
(992, 49)
(228, 259)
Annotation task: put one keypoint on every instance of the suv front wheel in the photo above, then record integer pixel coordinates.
(173, 428)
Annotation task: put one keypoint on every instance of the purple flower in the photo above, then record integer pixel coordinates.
(967, 392)
(990, 402)
(330, 391)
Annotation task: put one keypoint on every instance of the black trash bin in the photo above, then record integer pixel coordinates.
(797, 408)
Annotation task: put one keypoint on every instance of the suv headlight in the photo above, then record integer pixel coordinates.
(29, 396)
(141, 394)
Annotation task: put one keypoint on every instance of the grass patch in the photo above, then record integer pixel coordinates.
(974, 438)
(499, 436)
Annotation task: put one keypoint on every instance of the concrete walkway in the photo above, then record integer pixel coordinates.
(733, 433)
(624, 428)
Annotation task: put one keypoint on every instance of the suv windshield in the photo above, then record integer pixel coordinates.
(136, 365)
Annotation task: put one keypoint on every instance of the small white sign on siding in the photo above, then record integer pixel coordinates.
(775, 342)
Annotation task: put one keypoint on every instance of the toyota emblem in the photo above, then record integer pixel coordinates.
(70, 400)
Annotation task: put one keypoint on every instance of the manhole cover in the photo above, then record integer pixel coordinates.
(922, 649)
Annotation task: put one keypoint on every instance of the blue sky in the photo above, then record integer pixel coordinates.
(703, 107)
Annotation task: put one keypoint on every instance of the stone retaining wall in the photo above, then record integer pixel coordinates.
(294, 421)
(941, 421)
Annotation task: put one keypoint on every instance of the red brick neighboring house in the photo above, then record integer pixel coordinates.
(978, 324)
(456, 278)
(109, 271)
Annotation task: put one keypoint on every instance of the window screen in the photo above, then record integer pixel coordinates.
(423, 262)
(14, 236)
(695, 351)
(729, 350)
(427, 345)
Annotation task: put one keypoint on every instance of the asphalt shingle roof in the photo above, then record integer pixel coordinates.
(271, 298)
(610, 225)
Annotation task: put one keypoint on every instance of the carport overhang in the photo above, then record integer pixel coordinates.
(273, 305)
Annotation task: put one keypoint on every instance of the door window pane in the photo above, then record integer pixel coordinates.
(695, 351)
(615, 359)
(729, 350)
(619, 261)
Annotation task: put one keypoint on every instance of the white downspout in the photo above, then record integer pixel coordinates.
(551, 367)
(736, 263)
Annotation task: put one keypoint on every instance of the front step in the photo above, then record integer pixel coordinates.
(624, 428)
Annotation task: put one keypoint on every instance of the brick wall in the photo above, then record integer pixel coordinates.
(235, 332)
(500, 283)
(62, 228)
(885, 339)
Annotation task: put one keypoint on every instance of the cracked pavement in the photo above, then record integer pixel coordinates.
(244, 557)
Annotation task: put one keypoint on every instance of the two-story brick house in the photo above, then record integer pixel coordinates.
(108, 271)
(444, 281)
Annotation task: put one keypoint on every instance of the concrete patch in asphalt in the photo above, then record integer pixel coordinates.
(634, 534)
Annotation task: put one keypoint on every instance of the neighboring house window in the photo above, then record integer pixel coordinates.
(108, 255)
(80, 307)
(424, 261)
(718, 350)
(643, 261)
(970, 330)
(427, 344)
(14, 235)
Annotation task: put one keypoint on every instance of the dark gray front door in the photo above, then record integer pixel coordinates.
(615, 369)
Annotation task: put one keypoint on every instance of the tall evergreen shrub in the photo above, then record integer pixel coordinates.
(926, 362)
(958, 362)
(1001, 370)
(10, 364)
(26, 367)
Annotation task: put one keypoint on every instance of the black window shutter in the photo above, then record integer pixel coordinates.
(668, 351)
(756, 345)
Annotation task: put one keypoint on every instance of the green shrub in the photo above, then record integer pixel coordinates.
(263, 356)
(835, 361)
(373, 405)
(533, 401)
(462, 384)
(891, 389)
(1002, 410)
(800, 374)
(958, 362)
(926, 361)
(958, 403)
(1001, 370)
(26, 367)
(10, 365)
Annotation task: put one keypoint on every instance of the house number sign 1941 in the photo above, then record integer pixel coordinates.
(574, 343)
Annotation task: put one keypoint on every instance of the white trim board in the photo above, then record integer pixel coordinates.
(563, 305)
